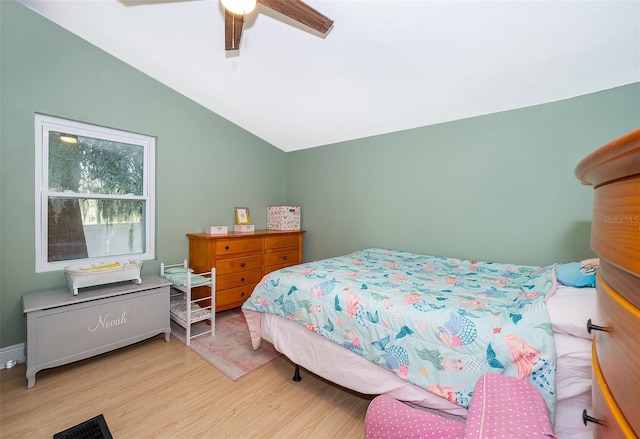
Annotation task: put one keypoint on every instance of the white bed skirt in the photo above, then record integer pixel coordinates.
(347, 369)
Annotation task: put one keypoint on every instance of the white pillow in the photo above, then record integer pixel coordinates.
(570, 308)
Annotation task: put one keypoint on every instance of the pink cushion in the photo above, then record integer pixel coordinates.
(501, 407)
(389, 418)
(507, 407)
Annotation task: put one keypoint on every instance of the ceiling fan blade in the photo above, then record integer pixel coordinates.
(300, 12)
(232, 30)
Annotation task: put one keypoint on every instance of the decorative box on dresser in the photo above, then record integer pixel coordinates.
(614, 172)
(241, 259)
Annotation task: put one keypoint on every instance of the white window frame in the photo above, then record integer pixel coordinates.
(43, 125)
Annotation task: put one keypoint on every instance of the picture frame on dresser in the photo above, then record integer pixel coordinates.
(242, 216)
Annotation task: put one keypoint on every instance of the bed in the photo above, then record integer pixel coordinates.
(423, 329)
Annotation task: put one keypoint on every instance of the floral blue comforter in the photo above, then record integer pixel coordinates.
(438, 322)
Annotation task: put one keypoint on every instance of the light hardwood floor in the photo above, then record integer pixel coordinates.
(158, 389)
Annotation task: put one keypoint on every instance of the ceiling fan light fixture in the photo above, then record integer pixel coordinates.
(239, 7)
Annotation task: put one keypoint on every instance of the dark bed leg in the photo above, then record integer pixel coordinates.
(296, 374)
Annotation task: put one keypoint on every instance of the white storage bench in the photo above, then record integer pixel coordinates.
(63, 328)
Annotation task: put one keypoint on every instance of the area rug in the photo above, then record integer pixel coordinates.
(229, 350)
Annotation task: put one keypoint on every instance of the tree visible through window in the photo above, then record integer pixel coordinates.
(95, 194)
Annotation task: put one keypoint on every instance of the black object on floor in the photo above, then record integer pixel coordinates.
(94, 428)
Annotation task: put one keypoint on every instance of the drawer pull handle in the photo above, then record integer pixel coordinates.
(591, 326)
(226, 248)
(242, 264)
(586, 418)
(242, 280)
(285, 257)
(242, 294)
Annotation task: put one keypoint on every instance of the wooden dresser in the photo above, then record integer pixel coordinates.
(241, 259)
(614, 172)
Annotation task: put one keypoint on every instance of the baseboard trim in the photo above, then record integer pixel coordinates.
(12, 355)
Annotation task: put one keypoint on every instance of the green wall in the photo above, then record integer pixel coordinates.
(200, 156)
(499, 187)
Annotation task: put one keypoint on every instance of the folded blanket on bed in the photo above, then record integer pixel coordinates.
(438, 322)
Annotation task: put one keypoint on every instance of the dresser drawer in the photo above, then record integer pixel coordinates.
(613, 424)
(238, 279)
(225, 266)
(233, 297)
(231, 246)
(291, 257)
(275, 243)
(618, 348)
(615, 230)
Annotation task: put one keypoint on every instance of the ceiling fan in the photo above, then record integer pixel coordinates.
(235, 11)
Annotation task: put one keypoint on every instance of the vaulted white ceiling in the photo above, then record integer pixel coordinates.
(387, 65)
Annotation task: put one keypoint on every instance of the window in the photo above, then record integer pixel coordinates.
(95, 194)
